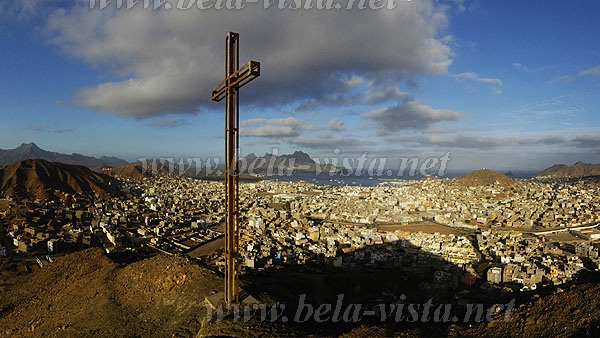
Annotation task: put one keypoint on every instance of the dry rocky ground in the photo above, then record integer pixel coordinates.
(87, 295)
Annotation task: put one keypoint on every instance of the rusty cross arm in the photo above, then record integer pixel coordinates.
(241, 77)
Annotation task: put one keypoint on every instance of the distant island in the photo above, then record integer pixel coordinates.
(274, 164)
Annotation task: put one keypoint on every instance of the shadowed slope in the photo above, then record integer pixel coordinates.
(42, 179)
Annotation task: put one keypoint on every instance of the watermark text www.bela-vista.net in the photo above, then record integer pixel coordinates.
(241, 4)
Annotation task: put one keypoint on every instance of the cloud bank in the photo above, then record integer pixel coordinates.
(166, 62)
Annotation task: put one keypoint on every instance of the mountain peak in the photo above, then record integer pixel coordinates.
(31, 150)
(32, 145)
(300, 157)
(29, 146)
(298, 160)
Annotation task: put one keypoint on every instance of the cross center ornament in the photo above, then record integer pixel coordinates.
(235, 78)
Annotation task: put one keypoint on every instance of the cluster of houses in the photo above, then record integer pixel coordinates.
(306, 225)
(525, 205)
(527, 259)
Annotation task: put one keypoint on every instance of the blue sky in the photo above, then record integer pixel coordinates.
(506, 85)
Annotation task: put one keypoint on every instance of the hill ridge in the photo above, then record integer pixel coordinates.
(485, 177)
(86, 294)
(41, 179)
(27, 151)
(578, 170)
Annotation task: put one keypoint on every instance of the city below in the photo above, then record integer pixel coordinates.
(539, 228)
(482, 237)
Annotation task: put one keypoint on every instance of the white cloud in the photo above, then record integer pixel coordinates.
(461, 141)
(371, 93)
(594, 71)
(63, 131)
(22, 10)
(587, 141)
(378, 94)
(547, 108)
(336, 124)
(271, 131)
(409, 114)
(168, 61)
(540, 143)
(562, 79)
(168, 122)
(293, 131)
(590, 71)
(35, 127)
(476, 78)
(552, 140)
(353, 81)
(285, 127)
(38, 128)
(327, 142)
(583, 142)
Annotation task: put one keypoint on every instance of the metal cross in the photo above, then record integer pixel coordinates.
(235, 78)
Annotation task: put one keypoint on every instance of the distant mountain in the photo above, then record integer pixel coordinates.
(300, 157)
(484, 177)
(577, 170)
(298, 161)
(138, 170)
(40, 179)
(28, 151)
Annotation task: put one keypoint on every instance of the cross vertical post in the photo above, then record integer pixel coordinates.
(235, 78)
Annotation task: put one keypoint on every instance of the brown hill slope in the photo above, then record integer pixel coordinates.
(484, 177)
(42, 179)
(137, 170)
(572, 313)
(132, 171)
(577, 170)
(85, 294)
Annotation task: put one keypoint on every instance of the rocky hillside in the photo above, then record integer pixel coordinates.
(131, 171)
(138, 170)
(485, 177)
(27, 151)
(577, 170)
(85, 294)
(42, 179)
(571, 313)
